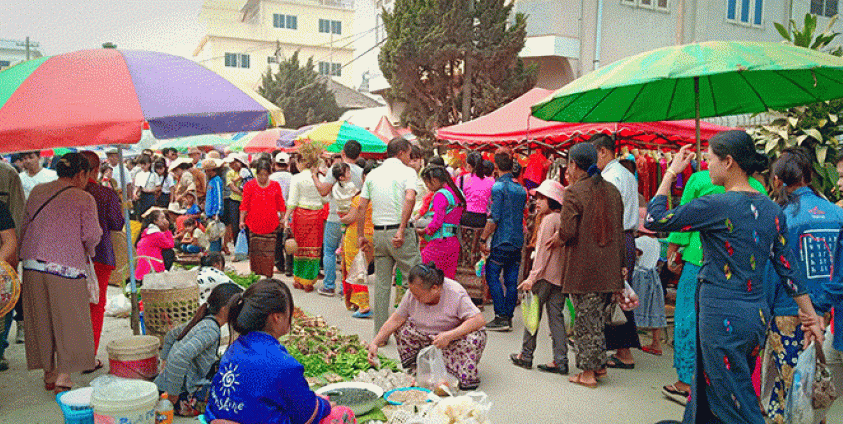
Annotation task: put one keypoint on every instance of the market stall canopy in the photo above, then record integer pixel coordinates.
(334, 135)
(183, 143)
(513, 124)
(266, 141)
(386, 131)
(105, 96)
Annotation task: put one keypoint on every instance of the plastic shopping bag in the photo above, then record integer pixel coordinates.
(569, 314)
(359, 269)
(530, 308)
(798, 408)
(215, 229)
(241, 247)
(431, 372)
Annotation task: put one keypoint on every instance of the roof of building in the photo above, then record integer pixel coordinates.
(347, 97)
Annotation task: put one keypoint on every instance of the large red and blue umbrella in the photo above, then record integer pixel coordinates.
(104, 96)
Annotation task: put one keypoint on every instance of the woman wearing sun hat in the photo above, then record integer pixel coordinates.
(213, 195)
(545, 281)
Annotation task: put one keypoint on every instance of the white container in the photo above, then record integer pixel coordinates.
(125, 402)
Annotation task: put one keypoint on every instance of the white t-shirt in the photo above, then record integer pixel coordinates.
(385, 187)
(167, 184)
(626, 183)
(283, 179)
(146, 180)
(356, 179)
(116, 174)
(650, 251)
(43, 176)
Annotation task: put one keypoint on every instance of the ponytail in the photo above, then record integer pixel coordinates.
(441, 174)
(249, 311)
(220, 297)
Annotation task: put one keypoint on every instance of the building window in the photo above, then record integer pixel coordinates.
(285, 21)
(745, 12)
(5, 63)
(827, 8)
(648, 4)
(271, 59)
(330, 68)
(237, 60)
(330, 27)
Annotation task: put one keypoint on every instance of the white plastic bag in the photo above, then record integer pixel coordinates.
(530, 309)
(118, 306)
(798, 408)
(431, 372)
(358, 270)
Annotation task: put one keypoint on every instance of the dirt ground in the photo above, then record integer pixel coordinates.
(519, 396)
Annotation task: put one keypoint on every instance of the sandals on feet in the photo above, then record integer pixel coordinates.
(577, 379)
(675, 394)
(94, 369)
(652, 350)
(615, 362)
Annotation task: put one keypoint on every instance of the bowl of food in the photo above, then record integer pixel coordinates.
(408, 396)
(359, 397)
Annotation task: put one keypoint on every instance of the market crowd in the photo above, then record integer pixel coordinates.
(591, 237)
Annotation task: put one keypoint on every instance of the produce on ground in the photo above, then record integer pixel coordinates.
(323, 349)
(386, 379)
(409, 396)
(243, 280)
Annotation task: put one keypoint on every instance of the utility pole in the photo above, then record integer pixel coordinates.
(27, 48)
(29, 45)
(466, 80)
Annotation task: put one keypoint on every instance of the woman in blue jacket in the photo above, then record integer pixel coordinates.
(258, 382)
(740, 230)
(814, 227)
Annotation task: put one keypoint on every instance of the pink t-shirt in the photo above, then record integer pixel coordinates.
(453, 309)
(477, 192)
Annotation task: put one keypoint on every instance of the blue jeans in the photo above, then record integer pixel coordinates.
(507, 262)
(330, 242)
(190, 248)
(4, 334)
(215, 246)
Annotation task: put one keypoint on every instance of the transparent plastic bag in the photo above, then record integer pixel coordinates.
(358, 270)
(241, 248)
(530, 309)
(432, 374)
(798, 406)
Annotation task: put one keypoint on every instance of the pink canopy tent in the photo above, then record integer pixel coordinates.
(512, 124)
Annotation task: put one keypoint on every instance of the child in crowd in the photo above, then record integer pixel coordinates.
(211, 274)
(545, 281)
(189, 354)
(190, 208)
(647, 284)
(193, 239)
(344, 190)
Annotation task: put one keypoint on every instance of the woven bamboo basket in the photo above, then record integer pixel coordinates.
(164, 310)
(9, 288)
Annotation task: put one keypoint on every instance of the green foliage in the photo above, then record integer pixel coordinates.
(297, 90)
(816, 126)
(423, 59)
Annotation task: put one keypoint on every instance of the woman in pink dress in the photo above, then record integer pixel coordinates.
(443, 247)
(155, 236)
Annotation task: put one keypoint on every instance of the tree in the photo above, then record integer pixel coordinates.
(815, 126)
(298, 91)
(424, 57)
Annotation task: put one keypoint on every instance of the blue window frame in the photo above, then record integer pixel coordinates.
(328, 26)
(749, 12)
(237, 60)
(285, 21)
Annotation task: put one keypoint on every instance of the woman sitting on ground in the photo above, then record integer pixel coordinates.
(436, 311)
(190, 351)
(258, 381)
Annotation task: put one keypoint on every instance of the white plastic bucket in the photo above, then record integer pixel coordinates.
(126, 402)
(134, 357)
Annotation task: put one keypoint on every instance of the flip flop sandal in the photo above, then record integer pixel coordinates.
(614, 362)
(676, 395)
(95, 368)
(652, 351)
(578, 380)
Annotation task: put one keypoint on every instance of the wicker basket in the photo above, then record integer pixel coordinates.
(164, 310)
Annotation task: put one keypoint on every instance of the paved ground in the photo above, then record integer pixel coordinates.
(519, 396)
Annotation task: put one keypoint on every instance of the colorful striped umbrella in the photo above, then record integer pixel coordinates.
(266, 141)
(334, 135)
(104, 96)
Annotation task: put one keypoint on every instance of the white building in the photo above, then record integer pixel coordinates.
(245, 37)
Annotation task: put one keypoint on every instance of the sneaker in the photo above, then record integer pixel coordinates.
(19, 336)
(4, 364)
(362, 315)
(499, 324)
(326, 292)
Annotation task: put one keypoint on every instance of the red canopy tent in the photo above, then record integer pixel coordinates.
(512, 124)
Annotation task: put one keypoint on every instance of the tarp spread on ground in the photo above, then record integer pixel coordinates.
(513, 124)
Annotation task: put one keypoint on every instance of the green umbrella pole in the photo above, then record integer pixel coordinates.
(697, 117)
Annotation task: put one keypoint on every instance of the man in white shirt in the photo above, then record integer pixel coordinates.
(114, 161)
(282, 175)
(621, 337)
(33, 173)
(332, 235)
(391, 188)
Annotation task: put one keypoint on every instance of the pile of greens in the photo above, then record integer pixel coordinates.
(322, 349)
(243, 280)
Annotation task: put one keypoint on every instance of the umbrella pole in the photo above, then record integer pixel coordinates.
(697, 116)
(135, 322)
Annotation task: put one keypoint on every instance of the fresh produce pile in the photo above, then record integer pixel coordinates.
(325, 352)
(386, 379)
(243, 280)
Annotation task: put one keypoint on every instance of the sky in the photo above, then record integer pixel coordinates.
(61, 26)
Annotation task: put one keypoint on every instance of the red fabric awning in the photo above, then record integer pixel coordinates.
(513, 124)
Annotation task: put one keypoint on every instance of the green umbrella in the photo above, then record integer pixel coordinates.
(184, 143)
(714, 78)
